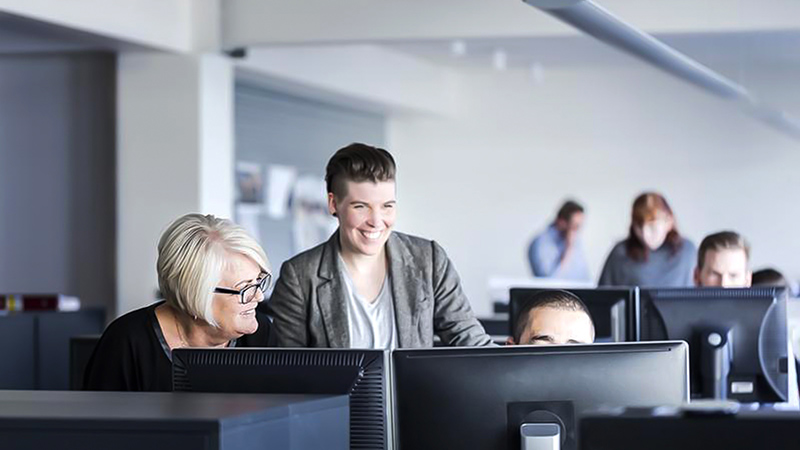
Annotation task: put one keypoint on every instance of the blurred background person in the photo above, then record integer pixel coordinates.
(654, 254)
(212, 275)
(723, 260)
(558, 252)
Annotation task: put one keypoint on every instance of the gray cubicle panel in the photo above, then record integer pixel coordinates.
(81, 349)
(35, 346)
(54, 333)
(18, 350)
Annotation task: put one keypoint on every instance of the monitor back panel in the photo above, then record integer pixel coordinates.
(477, 398)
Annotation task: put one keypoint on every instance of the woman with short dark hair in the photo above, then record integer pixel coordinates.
(370, 286)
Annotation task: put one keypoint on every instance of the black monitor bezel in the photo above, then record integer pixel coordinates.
(371, 390)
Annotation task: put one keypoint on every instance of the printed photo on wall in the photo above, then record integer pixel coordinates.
(249, 183)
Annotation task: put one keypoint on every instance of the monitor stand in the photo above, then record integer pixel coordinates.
(716, 354)
(540, 436)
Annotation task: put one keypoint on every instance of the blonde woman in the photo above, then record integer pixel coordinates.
(212, 275)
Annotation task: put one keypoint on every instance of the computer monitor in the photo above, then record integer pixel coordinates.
(708, 427)
(738, 338)
(360, 373)
(479, 398)
(612, 310)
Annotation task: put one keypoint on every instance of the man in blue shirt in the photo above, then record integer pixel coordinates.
(557, 252)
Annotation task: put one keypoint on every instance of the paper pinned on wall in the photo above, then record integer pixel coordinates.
(249, 183)
(280, 181)
(248, 216)
(313, 224)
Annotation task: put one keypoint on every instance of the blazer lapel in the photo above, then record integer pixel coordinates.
(408, 291)
(331, 296)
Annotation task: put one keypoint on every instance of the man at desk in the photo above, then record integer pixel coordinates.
(557, 252)
(553, 317)
(723, 260)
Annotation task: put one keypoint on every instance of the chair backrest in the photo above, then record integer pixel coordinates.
(80, 350)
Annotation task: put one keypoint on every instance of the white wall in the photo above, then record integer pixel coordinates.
(175, 156)
(370, 75)
(483, 181)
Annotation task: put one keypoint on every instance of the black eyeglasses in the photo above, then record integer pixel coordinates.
(249, 292)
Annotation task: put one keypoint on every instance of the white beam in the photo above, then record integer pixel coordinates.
(366, 74)
(260, 22)
(168, 25)
(257, 22)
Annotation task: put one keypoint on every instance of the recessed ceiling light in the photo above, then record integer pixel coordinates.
(458, 48)
(537, 73)
(500, 59)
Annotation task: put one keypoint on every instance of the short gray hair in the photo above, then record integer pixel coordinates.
(191, 256)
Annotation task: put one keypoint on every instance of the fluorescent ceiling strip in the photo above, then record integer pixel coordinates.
(595, 21)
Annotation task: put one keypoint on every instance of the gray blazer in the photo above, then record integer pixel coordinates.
(309, 309)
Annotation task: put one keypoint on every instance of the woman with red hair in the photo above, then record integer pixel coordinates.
(654, 253)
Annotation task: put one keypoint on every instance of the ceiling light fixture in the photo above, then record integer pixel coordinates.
(500, 59)
(537, 73)
(458, 48)
(594, 20)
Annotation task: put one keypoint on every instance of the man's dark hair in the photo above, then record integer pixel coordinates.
(724, 240)
(551, 298)
(358, 162)
(568, 209)
(769, 277)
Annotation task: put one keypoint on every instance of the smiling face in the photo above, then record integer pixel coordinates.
(233, 318)
(366, 216)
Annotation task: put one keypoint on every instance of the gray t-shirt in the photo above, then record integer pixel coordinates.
(370, 325)
(662, 268)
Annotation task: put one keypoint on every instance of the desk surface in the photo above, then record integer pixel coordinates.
(158, 406)
(74, 420)
(641, 429)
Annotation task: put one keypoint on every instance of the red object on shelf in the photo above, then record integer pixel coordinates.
(38, 302)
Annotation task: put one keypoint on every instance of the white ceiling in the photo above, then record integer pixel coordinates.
(713, 49)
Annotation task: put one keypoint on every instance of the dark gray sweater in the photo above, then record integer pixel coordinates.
(662, 268)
